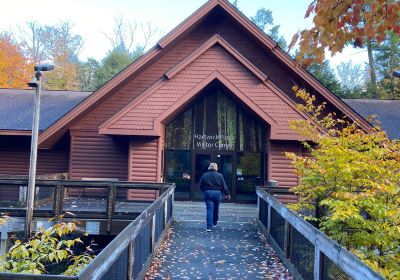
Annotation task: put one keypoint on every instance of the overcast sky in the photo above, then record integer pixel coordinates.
(93, 18)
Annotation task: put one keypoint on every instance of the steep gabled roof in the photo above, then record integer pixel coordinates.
(116, 124)
(57, 129)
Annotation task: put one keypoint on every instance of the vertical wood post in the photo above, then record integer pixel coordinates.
(153, 232)
(110, 206)
(131, 259)
(165, 213)
(317, 263)
(269, 220)
(286, 242)
(172, 204)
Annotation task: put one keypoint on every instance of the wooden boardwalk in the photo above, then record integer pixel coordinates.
(235, 249)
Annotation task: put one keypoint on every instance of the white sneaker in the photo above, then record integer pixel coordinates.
(208, 230)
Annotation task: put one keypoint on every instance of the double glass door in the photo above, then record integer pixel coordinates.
(241, 171)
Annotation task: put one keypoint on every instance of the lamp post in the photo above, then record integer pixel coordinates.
(35, 83)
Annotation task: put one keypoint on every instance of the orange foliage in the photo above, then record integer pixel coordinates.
(339, 22)
(15, 70)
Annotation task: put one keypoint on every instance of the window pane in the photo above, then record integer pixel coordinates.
(248, 175)
(178, 170)
(179, 132)
(226, 123)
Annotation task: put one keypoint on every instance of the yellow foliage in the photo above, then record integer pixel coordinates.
(15, 70)
(352, 182)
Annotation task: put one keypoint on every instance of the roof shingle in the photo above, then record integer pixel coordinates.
(16, 107)
(388, 112)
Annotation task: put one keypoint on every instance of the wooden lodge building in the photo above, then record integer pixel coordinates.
(216, 88)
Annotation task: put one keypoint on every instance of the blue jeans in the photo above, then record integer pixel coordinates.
(212, 199)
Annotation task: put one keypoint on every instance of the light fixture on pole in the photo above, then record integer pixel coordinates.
(34, 83)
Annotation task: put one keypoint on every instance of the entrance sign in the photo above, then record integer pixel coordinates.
(211, 142)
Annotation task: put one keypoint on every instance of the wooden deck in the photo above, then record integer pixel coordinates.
(235, 249)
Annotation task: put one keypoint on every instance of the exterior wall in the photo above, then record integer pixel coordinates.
(15, 153)
(143, 165)
(98, 156)
(280, 168)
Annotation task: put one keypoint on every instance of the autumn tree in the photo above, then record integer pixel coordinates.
(265, 21)
(15, 70)
(55, 43)
(387, 57)
(337, 23)
(351, 182)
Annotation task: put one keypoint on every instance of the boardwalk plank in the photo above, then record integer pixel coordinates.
(235, 249)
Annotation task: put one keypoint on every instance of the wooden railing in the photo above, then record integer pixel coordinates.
(108, 202)
(129, 254)
(306, 251)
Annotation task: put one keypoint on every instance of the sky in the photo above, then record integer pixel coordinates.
(93, 18)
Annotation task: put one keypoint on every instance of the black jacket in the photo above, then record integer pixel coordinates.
(212, 180)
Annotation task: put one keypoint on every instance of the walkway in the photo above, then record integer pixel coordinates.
(235, 249)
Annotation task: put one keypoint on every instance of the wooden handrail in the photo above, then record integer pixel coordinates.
(99, 266)
(348, 262)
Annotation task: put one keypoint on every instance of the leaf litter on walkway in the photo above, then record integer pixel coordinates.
(233, 250)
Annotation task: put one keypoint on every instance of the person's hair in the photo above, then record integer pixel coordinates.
(213, 166)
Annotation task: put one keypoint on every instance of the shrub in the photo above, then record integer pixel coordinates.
(352, 181)
(50, 246)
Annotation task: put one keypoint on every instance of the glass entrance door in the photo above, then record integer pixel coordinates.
(202, 161)
(225, 167)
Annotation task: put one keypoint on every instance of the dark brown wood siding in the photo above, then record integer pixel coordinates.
(98, 156)
(15, 153)
(143, 160)
(143, 157)
(281, 168)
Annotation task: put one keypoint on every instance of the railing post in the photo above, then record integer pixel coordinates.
(153, 232)
(165, 213)
(131, 259)
(172, 203)
(110, 206)
(317, 263)
(57, 201)
(269, 220)
(286, 242)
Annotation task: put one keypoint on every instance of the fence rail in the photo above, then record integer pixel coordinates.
(130, 253)
(112, 203)
(306, 251)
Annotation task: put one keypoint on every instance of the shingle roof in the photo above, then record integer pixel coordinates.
(16, 107)
(388, 112)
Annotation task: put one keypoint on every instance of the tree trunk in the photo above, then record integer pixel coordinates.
(372, 69)
(392, 63)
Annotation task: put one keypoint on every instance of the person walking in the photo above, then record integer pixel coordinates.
(213, 186)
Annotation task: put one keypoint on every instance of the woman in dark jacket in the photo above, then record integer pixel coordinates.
(213, 185)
